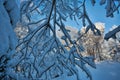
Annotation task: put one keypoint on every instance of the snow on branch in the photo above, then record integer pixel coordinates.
(111, 34)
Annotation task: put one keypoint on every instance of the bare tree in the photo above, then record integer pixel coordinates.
(42, 44)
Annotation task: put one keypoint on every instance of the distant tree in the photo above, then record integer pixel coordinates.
(92, 43)
(113, 45)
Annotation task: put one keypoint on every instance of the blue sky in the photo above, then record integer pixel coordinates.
(97, 13)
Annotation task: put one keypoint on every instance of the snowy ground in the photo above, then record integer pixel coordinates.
(106, 71)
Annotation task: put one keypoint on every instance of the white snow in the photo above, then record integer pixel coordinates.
(65, 77)
(106, 71)
(8, 38)
(13, 11)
